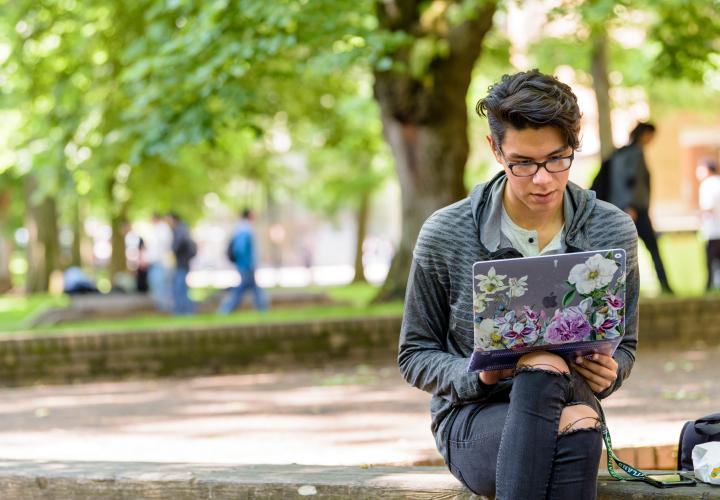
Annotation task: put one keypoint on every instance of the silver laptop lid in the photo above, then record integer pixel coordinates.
(549, 300)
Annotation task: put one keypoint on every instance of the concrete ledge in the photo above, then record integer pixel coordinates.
(30, 480)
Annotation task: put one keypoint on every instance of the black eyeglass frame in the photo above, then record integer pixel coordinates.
(538, 164)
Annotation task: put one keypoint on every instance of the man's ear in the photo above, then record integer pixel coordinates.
(493, 148)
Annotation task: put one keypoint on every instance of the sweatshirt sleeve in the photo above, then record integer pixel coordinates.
(625, 353)
(423, 358)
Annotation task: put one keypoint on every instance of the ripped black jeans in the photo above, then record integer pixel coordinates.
(510, 445)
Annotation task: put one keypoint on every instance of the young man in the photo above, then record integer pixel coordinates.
(709, 201)
(242, 250)
(185, 249)
(161, 263)
(532, 432)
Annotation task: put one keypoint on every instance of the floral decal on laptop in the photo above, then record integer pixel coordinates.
(598, 315)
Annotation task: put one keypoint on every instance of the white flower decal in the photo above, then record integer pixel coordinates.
(517, 286)
(484, 332)
(479, 303)
(491, 283)
(594, 274)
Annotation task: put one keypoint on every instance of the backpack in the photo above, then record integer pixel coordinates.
(191, 247)
(230, 252)
(601, 182)
(702, 430)
(238, 247)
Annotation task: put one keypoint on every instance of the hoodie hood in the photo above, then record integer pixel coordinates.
(578, 203)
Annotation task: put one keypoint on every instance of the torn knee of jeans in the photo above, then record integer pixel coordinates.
(572, 427)
(552, 369)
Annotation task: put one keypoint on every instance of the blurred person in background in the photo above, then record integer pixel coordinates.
(141, 274)
(630, 191)
(242, 251)
(160, 262)
(709, 201)
(184, 248)
(76, 282)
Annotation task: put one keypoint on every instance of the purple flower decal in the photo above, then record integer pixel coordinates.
(534, 316)
(519, 334)
(568, 325)
(605, 326)
(609, 323)
(613, 301)
(531, 314)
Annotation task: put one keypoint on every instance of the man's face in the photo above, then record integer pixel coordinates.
(543, 191)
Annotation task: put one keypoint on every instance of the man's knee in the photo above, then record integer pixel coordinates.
(544, 361)
(575, 417)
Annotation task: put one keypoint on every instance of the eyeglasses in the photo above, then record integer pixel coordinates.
(529, 168)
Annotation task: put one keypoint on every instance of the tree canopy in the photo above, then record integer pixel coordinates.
(120, 109)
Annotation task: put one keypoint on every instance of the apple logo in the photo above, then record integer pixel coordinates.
(550, 301)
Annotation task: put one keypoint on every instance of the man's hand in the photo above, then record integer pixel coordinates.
(600, 372)
(491, 377)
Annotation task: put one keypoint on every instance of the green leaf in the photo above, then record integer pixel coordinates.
(568, 298)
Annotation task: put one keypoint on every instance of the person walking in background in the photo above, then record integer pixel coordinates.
(184, 248)
(141, 274)
(630, 191)
(242, 251)
(709, 201)
(160, 261)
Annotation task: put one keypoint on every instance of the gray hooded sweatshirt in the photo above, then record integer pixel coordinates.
(436, 338)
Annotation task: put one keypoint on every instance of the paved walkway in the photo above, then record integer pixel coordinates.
(361, 415)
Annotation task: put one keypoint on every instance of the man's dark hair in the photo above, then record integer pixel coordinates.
(246, 213)
(712, 166)
(174, 216)
(640, 129)
(531, 99)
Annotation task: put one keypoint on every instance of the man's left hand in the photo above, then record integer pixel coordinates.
(599, 372)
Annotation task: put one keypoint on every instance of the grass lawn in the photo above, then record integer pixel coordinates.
(684, 257)
(353, 301)
(15, 311)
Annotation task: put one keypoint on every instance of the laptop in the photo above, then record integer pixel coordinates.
(569, 304)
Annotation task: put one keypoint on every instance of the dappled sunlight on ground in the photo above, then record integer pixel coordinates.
(342, 416)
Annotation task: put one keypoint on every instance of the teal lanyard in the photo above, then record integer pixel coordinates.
(635, 474)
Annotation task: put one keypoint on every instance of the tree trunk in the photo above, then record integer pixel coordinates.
(362, 216)
(43, 245)
(77, 229)
(601, 86)
(6, 242)
(425, 124)
(118, 218)
(118, 261)
(6, 248)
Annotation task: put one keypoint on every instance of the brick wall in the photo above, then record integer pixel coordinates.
(688, 322)
(197, 350)
(251, 348)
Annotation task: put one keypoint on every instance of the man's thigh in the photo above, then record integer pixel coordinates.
(474, 443)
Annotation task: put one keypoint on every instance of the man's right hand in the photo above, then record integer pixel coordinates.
(491, 377)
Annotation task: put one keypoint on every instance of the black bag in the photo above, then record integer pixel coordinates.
(702, 430)
(231, 251)
(192, 248)
(601, 182)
